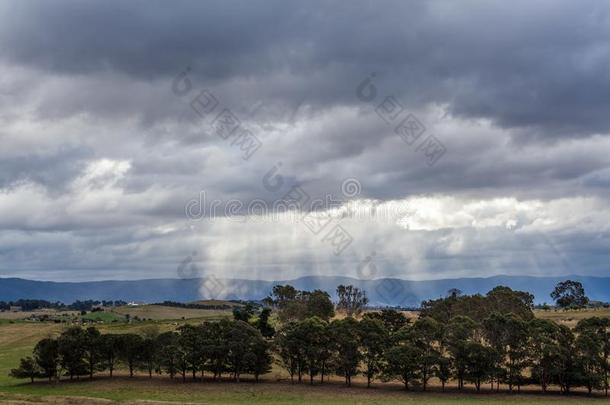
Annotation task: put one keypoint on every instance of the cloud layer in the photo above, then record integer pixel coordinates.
(106, 137)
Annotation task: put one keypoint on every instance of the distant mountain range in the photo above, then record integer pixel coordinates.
(387, 291)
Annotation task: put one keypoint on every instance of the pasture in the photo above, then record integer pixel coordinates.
(17, 339)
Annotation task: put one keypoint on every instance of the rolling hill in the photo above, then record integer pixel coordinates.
(392, 292)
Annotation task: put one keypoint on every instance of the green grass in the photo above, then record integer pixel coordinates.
(103, 317)
(162, 312)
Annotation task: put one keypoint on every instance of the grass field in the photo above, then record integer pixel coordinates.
(570, 318)
(26, 314)
(160, 312)
(18, 338)
(103, 317)
(144, 312)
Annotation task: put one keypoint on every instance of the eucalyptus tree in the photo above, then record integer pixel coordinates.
(425, 335)
(344, 335)
(130, 346)
(598, 328)
(544, 346)
(460, 332)
(46, 356)
(374, 341)
(71, 347)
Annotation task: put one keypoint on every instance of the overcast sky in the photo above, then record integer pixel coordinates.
(453, 139)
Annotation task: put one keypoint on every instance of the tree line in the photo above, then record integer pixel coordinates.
(33, 304)
(225, 347)
(479, 339)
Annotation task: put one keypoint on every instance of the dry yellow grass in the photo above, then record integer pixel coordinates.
(571, 317)
(26, 314)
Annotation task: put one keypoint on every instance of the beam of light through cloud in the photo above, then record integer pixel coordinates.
(100, 152)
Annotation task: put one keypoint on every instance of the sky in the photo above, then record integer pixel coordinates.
(273, 140)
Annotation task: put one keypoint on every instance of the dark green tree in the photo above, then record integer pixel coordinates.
(191, 343)
(374, 341)
(402, 363)
(242, 338)
(130, 346)
(598, 329)
(479, 363)
(494, 330)
(460, 334)
(318, 303)
(565, 366)
(109, 351)
(314, 336)
(424, 335)
(544, 347)
(27, 369)
(149, 355)
(263, 325)
(71, 346)
(351, 300)
(216, 346)
(344, 335)
(504, 300)
(392, 319)
(259, 358)
(517, 353)
(92, 350)
(169, 353)
(290, 350)
(570, 294)
(46, 355)
(590, 362)
(244, 313)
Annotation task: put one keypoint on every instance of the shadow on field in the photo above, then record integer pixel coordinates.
(142, 385)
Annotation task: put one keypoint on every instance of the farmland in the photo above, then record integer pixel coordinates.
(17, 339)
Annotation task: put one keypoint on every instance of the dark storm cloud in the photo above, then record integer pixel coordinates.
(53, 171)
(543, 66)
(99, 157)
